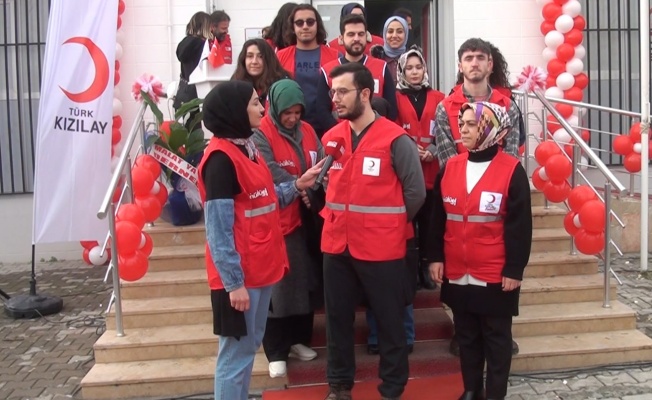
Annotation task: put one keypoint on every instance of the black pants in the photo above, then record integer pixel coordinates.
(422, 225)
(282, 333)
(383, 285)
(484, 338)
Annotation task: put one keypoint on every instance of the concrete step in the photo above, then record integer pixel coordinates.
(586, 317)
(564, 289)
(551, 217)
(536, 196)
(167, 284)
(175, 258)
(558, 263)
(165, 234)
(550, 239)
(163, 311)
(579, 350)
(164, 378)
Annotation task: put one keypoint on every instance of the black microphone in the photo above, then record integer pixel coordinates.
(334, 150)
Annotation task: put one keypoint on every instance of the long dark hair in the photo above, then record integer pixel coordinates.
(291, 38)
(499, 77)
(278, 27)
(272, 71)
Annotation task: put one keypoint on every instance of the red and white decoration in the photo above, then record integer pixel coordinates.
(629, 146)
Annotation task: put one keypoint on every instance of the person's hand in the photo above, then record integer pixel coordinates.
(305, 199)
(308, 178)
(436, 270)
(427, 156)
(510, 284)
(239, 299)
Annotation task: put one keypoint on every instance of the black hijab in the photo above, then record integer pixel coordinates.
(348, 9)
(225, 110)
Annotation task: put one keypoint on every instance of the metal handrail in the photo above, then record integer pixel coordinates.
(588, 106)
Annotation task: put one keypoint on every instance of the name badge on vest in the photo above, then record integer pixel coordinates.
(371, 166)
(376, 86)
(490, 202)
(313, 157)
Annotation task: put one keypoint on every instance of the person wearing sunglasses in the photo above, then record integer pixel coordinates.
(304, 58)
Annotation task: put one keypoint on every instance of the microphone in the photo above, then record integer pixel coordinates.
(334, 150)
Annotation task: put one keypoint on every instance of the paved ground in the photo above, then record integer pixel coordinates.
(45, 359)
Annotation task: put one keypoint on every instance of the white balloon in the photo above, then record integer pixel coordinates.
(542, 174)
(565, 81)
(584, 164)
(95, 257)
(548, 54)
(564, 23)
(120, 36)
(117, 106)
(143, 241)
(553, 39)
(155, 189)
(118, 51)
(572, 8)
(637, 148)
(574, 66)
(116, 91)
(580, 51)
(561, 136)
(573, 121)
(554, 93)
(576, 221)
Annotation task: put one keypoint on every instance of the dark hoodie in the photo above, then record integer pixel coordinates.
(348, 8)
(188, 53)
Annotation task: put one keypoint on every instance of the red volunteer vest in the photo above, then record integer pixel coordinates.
(474, 239)
(364, 208)
(288, 60)
(227, 49)
(420, 130)
(375, 65)
(257, 232)
(453, 103)
(375, 40)
(287, 158)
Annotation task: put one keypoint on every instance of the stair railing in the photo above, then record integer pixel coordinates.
(108, 209)
(611, 181)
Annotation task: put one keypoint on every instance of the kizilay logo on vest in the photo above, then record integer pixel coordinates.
(259, 193)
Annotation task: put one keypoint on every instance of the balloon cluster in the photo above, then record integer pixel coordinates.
(92, 253)
(586, 220)
(116, 134)
(629, 146)
(551, 177)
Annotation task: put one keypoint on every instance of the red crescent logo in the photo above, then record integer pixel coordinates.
(493, 198)
(101, 79)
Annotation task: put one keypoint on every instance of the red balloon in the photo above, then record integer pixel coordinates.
(117, 65)
(85, 256)
(148, 246)
(116, 136)
(623, 145)
(592, 216)
(164, 130)
(119, 22)
(552, 124)
(537, 181)
(551, 81)
(551, 12)
(569, 225)
(142, 180)
(556, 67)
(561, 2)
(556, 192)
(133, 267)
(574, 37)
(568, 149)
(112, 151)
(581, 80)
(545, 150)
(579, 23)
(162, 194)
(117, 122)
(635, 132)
(89, 244)
(565, 110)
(151, 207)
(586, 135)
(574, 94)
(127, 236)
(148, 162)
(547, 26)
(589, 243)
(565, 52)
(579, 196)
(116, 78)
(131, 213)
(121, 7)
(558, 168)
(632, 162)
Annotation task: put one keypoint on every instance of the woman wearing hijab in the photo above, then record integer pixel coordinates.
(417, 103)
(395, 34)
(372, 40)
(290, 147)
(479, 245)
(245, 252)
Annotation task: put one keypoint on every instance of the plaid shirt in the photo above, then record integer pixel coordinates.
(444, 137)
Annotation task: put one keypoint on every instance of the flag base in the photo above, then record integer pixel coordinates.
(32, 306)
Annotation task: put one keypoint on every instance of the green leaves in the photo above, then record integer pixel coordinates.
(155, 110)
(192, 105)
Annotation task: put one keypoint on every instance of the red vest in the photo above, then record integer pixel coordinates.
(286, 157)
(420, 130)
(364, 208)
(474, 240)
(375, 65)
(375, 40)
(287, 57)
(256, 230)
(227, 49)
(453, 103)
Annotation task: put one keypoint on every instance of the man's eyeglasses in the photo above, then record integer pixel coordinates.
(341, 92)
(300, 22)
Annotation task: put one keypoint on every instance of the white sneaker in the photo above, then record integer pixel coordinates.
(303, 353)
(277, 369)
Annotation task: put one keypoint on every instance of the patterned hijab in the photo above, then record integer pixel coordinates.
(493, 123)
(401, 82)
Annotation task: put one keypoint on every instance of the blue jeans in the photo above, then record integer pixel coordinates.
(235, 358)
(408, 323)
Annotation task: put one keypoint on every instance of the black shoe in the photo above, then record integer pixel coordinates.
(338, 392)
(410, 348)
(454, 347)
(471, 395)
(373, 349)
(514, 347)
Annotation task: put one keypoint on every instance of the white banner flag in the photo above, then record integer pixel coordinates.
(73, 139)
